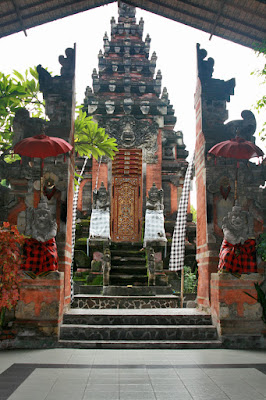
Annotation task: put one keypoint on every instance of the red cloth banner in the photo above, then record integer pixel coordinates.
(40, 256)
(238, 258)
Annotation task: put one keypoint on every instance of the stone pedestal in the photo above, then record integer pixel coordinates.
(39, 311)
(236, 315)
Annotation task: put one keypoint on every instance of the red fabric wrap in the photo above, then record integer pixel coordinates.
(40, 256)
(238, 258)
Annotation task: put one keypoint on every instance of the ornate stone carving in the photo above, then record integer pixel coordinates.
(131, 133)
(106, 266)
(151, 265)
(236, 227)
(155, 199)
(101, 199)
(110, 106)
(238, 251)
(43, 226)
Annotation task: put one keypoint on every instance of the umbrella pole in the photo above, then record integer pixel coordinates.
(182, 288)
(41, 179)
(236, 185)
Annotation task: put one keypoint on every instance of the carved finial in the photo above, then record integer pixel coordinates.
(159, 74)
(147, 39)
(205, 67)
(94, 73)
(154, 57)
(165, 94)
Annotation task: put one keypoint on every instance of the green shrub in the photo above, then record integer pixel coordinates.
(190, 280)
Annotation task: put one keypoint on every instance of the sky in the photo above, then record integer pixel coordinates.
(175, 46)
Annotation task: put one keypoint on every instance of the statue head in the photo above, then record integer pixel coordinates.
(237, 217)
(155, 199)
(154, 194)
(236, 225)
(100, 198)
(44, 226)
(128, 136)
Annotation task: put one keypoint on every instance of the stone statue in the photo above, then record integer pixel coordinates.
(155, 199)
(100, 199)
(100, 215)
(40, 250)
(44, 226)
(151, 265)
(238, 251)
(106, 266)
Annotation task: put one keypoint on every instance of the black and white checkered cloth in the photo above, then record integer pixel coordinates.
(177, 255)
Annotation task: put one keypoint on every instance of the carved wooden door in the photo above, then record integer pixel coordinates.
(126, 208)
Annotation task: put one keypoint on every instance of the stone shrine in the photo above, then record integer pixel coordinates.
(127, 99)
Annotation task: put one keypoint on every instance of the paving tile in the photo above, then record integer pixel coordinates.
(137, 396)
(173, 396)
(101, 396)
(135, 387)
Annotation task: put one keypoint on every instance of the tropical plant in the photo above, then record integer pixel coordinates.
(11, 258)
(190, 280)
(17, 91)
(194, 213)
(261, 298)
(261, 246)
(260, 105)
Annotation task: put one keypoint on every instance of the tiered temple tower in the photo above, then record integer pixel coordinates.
(127, 100)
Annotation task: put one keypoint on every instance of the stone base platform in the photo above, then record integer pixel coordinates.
(138, 328)
(87, 301)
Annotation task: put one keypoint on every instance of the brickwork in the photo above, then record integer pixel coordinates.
(215, 178)
(233, 311)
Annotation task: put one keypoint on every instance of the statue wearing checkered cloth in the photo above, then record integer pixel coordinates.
(238, 251)
(40, 250)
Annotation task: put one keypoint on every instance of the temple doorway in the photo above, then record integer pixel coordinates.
(126, 204)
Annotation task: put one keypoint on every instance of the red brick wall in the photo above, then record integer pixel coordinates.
(233, 311)
(103, 174)
(206, 253)
(41, 303)
(154, 171)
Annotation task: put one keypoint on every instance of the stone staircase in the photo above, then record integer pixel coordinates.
(137, 328)
(130, 314)
(128, 266)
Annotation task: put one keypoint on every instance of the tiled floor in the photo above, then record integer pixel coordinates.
(71, 374)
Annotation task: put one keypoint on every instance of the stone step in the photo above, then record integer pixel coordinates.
(122, 260)
(135, 290)
(131, 270)
(87, 301)
(140, 344)
(137, 332)
(128, 279)
(136, 317)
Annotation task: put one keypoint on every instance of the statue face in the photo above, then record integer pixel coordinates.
(154, 196)
(128, 136)
(42, 219)
(238, 221)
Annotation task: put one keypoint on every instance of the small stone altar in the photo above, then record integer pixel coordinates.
(236, 315)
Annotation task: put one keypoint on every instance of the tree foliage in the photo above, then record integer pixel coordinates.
(260, 105)
(91, 140)
(11, 258)
(19, 91)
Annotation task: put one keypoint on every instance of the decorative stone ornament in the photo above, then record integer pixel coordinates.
(101, 198)
(40, 250)
(238, 251)
(155, 199)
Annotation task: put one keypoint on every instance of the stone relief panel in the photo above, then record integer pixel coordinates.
(132, 133)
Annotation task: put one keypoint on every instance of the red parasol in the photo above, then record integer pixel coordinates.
(42, 146)
(237, 148)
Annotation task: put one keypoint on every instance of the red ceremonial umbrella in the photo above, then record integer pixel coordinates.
(237, 148)
(42, 146)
